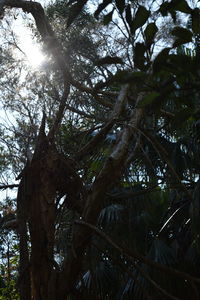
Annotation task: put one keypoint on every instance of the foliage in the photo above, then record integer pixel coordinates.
(112, 182)
(9, 253)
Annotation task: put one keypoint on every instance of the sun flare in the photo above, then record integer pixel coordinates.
(34, 55)
(29, 47)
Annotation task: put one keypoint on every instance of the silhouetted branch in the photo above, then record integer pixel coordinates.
(8, 186)
(134, 256)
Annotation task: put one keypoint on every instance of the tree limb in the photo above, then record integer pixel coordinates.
(134, 256)
(60, 113)
(8, 186)
(119, 104)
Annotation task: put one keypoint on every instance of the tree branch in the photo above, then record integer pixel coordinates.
(60, 113)
(120, 101)
(44, 29)
(8, 186)
(134, 256)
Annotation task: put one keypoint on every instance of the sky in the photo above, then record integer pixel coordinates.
(34, 58)
(26, 42)
(29, 47)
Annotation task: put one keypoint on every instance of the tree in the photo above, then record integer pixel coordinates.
(122, 201)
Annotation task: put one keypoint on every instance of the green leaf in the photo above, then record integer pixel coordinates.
(178, 63)
(128, 77)
(181, 32)
(121, 76)
(195, 213)
(181, 5)
(139, 57)
(111, 214)
(173, 6)
(160, 59)
(120, 5)
(137, 77)
(178, 161)
(149, 33)
(140, 19)
(183, 36)
(75, 11)
(108, 18)
(109, 60)
(128, 15)
(101, 7)
(196, 21)
(160, 252)
(164, 9)
(181, 117)
(148, 99)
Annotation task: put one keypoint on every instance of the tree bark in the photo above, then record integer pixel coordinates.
(24, 281)
(48, 174)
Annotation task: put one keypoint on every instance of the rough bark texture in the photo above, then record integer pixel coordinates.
(49, 173)
(41, 223)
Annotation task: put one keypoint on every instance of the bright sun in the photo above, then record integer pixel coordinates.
(34, 55)
(29, 47)
(27, 43)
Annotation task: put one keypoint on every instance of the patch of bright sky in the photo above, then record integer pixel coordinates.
(31, 48)
(26, 41)
(27, 44)
(33, 53)
(35, 58)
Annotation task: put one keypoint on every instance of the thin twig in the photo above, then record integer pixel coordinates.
(8, 186)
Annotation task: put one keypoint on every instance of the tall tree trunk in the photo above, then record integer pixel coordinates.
(48, 175)
(42, 226)
(36, 206)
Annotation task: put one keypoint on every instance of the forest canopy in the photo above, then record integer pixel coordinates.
(99, 150)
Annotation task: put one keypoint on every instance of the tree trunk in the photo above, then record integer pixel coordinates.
(48, 175)
(42, 226)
